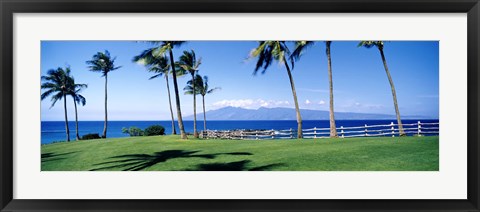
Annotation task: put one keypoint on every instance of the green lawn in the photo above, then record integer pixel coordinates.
(169, 153)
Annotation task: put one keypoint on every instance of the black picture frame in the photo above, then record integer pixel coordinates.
(9, 7)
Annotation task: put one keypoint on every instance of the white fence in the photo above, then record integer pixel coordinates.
(418, 129)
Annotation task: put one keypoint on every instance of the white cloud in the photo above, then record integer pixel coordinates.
(251, 103)
(307, 102)
(321, 102)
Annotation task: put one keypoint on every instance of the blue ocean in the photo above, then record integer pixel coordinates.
(54, 131)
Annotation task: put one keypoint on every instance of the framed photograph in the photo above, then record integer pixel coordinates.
(270, 105)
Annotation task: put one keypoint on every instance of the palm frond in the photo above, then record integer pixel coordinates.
(102, 62)
(156, 43)
(155, 76)
(176, 43)
(267, 51)
(47, 93)
(58, 83)
(155, 64)
(144, 58)
(214, 89)
(80, 99)
(79, 87)
(188, 92)
(161, 51)
(189, 63)
(202, 85)
(47, 85)
(370, 44)
(198, 85)
(55, 98)
(300, 48)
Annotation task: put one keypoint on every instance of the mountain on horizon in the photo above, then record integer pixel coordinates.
(279, 113)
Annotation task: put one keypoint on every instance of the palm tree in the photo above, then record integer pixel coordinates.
(57, 82)
(379, 45)
(189, 63)
(102, 62)
(160, 66)
(202, 88)
(74, 92)
(267, 51)
(300, 47)
(162, 48)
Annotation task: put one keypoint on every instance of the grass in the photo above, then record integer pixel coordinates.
(170, 153)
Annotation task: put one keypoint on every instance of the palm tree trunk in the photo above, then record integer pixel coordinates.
(67, 129)
(394, 94)
(195, 133)
(297, 109)
(204, 116)
(76, 120)
(104, 135)
(174, 131)
(333, 127)
(183, 135)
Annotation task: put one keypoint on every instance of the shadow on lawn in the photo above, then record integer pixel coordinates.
(234, 166)
(47, 157)
(137, 162)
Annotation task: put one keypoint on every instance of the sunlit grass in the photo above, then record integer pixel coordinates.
(170, 153)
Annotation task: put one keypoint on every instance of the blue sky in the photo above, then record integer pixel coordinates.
(360, 82)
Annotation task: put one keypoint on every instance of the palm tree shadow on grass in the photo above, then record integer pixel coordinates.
(137, 162)
(234, 166)
(51, 156)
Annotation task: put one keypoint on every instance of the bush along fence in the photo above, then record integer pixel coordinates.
(415, 129)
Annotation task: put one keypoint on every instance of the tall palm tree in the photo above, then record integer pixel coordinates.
(189, 63)
(300, 47)
(74, 92)
(163, 48)
(102, 62)
(267, 51)
(56, 84)
(203, 89)
(160, 66)
(379, 45)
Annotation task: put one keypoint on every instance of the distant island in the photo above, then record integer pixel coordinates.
(279, 113)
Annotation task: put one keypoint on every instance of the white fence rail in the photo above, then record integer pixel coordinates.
(417, 129)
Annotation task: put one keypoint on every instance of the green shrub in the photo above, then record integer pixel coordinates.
(91, 136)
(133, 131)
(155, 130)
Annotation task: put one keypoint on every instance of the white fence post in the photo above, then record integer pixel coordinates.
(393, 129)
(317, 132)
(419, 128)
(341, 131)
(366, 130)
